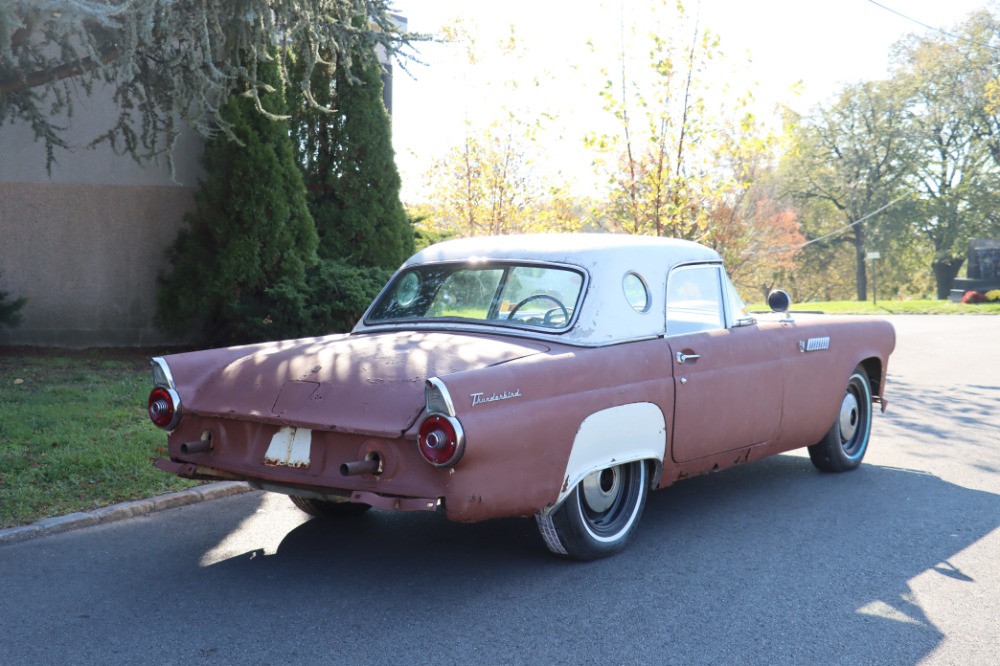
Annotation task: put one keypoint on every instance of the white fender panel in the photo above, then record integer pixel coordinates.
(636, 431)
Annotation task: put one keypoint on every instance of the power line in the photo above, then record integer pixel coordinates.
(855, 222)
(837, 231)
(931, 27)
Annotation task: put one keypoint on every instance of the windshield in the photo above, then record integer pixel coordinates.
(528, 295)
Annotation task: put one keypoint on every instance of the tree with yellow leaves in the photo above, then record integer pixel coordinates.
(486, 183)
(668, 161)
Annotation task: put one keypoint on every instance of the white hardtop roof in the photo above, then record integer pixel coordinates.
(580, 249)
(605, 315)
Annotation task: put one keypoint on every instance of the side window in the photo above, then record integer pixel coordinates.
(694, 300)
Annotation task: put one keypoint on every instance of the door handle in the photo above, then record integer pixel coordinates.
(683, 358)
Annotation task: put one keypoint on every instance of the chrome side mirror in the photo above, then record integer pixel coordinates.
(779, 301)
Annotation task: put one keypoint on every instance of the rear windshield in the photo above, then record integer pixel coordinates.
(522, 295)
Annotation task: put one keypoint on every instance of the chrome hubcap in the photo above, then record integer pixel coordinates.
(849, 417)
(601, 489)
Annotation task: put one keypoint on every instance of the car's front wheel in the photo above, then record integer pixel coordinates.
(846, 442)
(328, 508)
(600, 514)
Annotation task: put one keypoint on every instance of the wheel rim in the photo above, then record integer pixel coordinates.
(854, 418)
(601, 489)
(610, 500)
(848, 417)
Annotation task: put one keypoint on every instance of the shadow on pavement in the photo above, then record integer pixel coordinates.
(770, 563)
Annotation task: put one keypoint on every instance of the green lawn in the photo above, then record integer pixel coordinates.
(888, 307)
(74, 434)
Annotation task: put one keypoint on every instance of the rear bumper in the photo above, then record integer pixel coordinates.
(385, 502)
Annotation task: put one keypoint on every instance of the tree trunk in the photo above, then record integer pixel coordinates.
(945, 271)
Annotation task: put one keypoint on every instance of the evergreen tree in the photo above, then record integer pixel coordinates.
(9, 308)
(351, 173)
(251, 238)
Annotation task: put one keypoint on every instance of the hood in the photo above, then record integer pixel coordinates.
(354, 383)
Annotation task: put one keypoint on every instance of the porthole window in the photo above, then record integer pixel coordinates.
(408, 289)
(636, 292)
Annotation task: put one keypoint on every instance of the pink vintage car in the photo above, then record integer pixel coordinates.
(554, 376)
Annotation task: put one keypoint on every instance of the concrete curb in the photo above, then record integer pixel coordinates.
(116, 512)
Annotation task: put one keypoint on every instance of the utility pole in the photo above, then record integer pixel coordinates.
(873, 256)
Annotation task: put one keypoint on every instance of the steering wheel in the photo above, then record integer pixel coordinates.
(559, 306)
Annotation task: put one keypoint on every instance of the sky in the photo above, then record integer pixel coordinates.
(772, 46)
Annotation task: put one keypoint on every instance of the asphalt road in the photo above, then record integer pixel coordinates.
(771, 563)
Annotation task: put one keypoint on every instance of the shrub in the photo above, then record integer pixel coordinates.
(334, 297)
(973, 297)
(993, 296)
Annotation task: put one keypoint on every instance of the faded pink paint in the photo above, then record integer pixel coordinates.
(752, 393)
(371, 384)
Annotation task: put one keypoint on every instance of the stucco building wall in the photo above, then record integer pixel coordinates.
(85, 244)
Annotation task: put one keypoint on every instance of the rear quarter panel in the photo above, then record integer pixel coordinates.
(517, 449)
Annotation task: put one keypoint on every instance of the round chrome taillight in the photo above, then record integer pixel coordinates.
(164, 407)
(441, 440)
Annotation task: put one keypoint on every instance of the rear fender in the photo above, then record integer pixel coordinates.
(636, 431)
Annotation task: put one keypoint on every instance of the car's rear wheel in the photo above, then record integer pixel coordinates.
(328, 508)
(600, 514)
(845, 443)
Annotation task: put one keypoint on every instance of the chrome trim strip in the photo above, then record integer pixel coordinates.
(814, 344)
(160, 365)
(496, 331)
(448, 406)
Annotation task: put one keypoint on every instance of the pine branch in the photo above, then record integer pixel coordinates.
(13, 84)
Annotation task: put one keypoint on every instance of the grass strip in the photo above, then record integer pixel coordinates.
(74, 435)
(891, 307)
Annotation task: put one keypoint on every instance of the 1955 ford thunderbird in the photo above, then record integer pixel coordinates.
(554, 376)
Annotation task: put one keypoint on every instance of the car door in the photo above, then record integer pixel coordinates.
(727, 382)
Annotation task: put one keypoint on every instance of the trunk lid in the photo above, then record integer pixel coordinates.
(369, 383)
